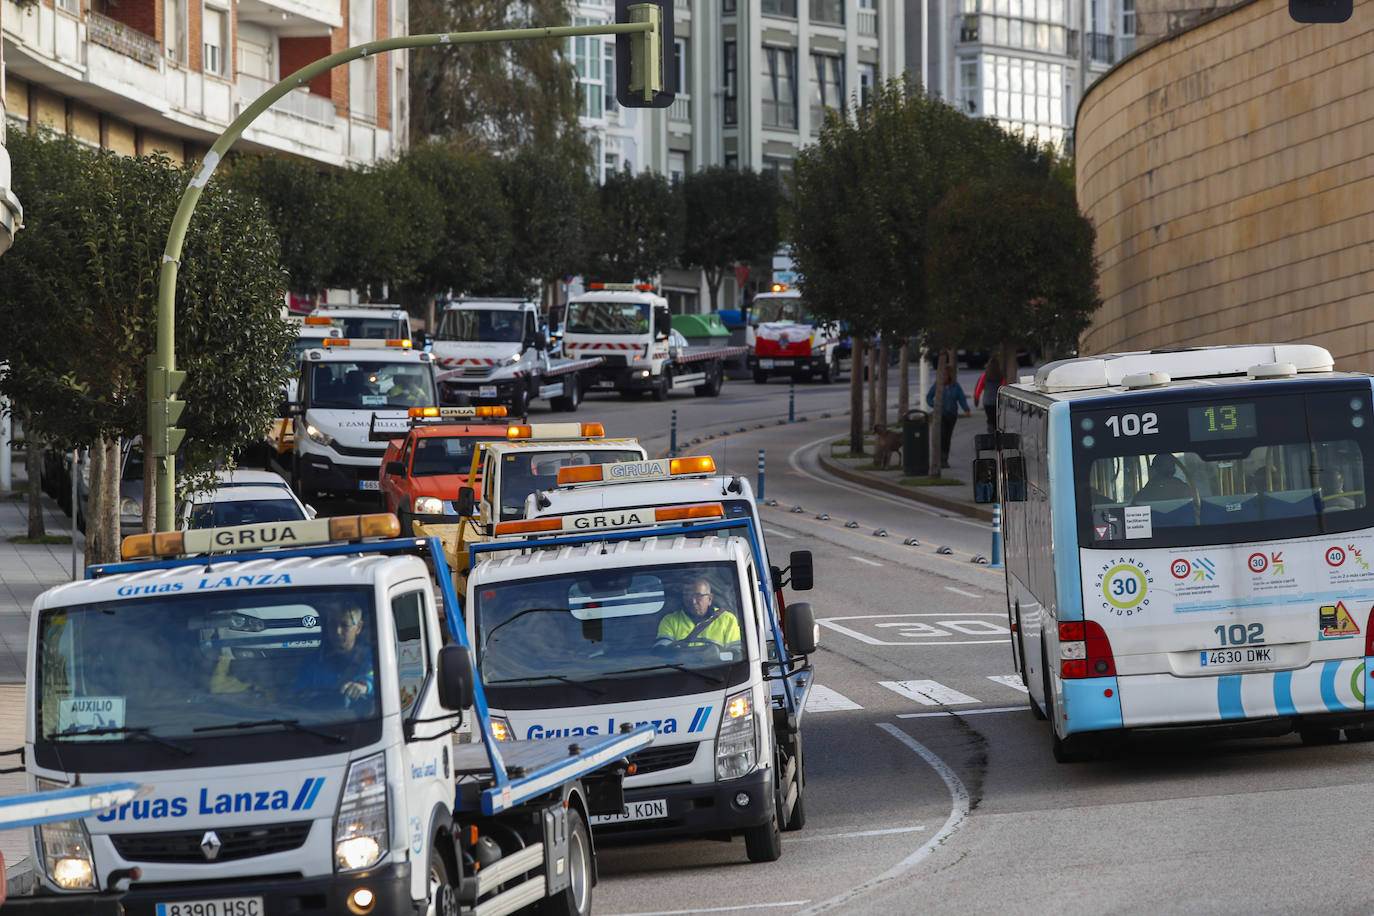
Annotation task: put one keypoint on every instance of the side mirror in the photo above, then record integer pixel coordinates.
(466, 501)
(540, 341)
(396, 468)
(292, 409)
(800, 630)
(311, 511)
(802, 571)
(419, 340)
(985, 480)
(775, 575)
(455, 677)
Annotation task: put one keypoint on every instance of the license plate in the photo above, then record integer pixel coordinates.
(486, 391)
(636, 811)
(222, 906)
(765, 364)
(369, 485)
(1247, 655)
(606, 383)
(782, 362)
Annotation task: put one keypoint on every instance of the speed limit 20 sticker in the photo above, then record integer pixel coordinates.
(1124, 584)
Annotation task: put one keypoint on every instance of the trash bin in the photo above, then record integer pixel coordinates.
(916, 443)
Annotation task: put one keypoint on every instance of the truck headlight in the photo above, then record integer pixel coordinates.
(428, 505)
(360, 828)
(128, 506)
(318, 435)
(736, 738)
(500, 728)
(64, 848)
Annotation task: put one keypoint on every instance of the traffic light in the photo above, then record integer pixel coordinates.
(1319, 10)
(164, 410)
(644, 75)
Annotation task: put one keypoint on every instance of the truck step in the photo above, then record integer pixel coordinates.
(493, 876)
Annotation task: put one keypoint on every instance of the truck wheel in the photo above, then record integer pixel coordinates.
(764, 842)
(760, 378)
(576, 898)
(660, 390)
(828, 372)
(443, 897)
(797, 819)
(715, 377)
(519, 401)
(407, 522)
(572, 395)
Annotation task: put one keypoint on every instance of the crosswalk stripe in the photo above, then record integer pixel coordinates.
(1011, 680)
(928, 693)
(823, 699)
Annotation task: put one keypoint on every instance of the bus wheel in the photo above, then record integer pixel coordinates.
(1036, 709)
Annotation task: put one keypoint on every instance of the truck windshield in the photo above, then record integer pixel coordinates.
(613, 633)
(482, 325)
(194, 665)
(225, 513)
(779, 310)
(351, 385)
(370, 328)
(446, 454)
(607, 318)
(523, 473)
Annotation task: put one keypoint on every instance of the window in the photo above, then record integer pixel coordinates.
(608, 68)
(969, 96)
(827, 87)
(587, 57)
(1020, 94)
(70, 6)
(868, 78)
(254, 52)
(780, 88)
(785, 8)
(677, 167)
(1127, 26)
(732, 160)
(727, 7)
(412, 649)
(610, 166)
(362, 74)
(680, 64)
(174, 30)
(731, 97)
(216, 39)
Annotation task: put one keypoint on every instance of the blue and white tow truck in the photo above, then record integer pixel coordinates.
(293, 694)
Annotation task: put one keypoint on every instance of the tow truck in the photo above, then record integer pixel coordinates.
(629, 326)
(580, 625)
(785, 339)
(311, 334)
(370, 322)
(429, 457)
(496, 351)
(292, 692)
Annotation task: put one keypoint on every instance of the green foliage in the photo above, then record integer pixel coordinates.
(731, 218)
(637, 227)
(389, 225)
(550, 199)
(302, 202)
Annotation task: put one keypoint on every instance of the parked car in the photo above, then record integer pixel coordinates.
(242, 497)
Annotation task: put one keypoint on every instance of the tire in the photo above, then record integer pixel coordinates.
(519, 401)
(443, 896)
(715, 377)
(407, 522)
(760, 378)
(572, 394)
(1073, 749)
(576, 898)
(797, 819)
(1036, 710)
(828, 373)
(764, 842)
(660, 390)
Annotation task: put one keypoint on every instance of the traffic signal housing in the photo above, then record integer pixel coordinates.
(164, 410)
(1320, 10)
(644, 75)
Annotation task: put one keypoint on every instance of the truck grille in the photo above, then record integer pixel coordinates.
(653, 759)
(475, 372)
(184, 846)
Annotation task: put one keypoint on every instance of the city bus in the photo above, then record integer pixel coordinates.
(1188, 542)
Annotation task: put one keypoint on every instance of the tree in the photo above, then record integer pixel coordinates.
(731, 219)
(78, 295)
(500, 96)
(636, 229)
(549, 195)
(389, 226)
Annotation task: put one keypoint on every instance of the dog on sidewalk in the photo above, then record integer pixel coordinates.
(886, 444)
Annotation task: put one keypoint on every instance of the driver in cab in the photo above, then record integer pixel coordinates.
(344, 664)
(699, 620)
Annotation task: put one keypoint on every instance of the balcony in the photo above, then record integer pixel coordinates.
(1100, 48)
(122, 39)
(307, 106)
(784, 8)
(681, 109)
(868, 23)
(827, 11)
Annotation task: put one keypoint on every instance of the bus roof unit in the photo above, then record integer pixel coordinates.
(1112, 370)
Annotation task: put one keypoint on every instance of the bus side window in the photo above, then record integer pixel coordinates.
(1013, 461)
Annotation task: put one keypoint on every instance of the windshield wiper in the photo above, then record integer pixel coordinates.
(133, 731)
(676, 666)
(550, 677)
(289, 723)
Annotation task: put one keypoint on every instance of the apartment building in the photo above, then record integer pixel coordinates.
(138, 76)
(11, 212)
(1023, 63)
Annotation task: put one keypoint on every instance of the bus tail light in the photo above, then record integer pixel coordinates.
(1085, 651)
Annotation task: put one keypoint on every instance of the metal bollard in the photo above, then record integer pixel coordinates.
(996, 562)
(672, 436)
(791, 402)
(759, 494)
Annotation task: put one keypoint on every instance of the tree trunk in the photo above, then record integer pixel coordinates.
(33, 466)
(95, 494)
(904, 381)
(713, 281)
(883, 356)
(856, 395)
(872, 363)
(110, 507)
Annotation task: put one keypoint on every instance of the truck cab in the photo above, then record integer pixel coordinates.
(784, 338)
(368, 322)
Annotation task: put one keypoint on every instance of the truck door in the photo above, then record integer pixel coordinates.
(663, 323)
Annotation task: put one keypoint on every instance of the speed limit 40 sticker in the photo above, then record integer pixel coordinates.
(1124, 585)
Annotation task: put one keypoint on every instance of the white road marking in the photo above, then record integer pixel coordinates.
(869, 562)
(928, 693)
(960, 591)
(721, 909)
(960, 712)
(1011, 680)
(778, 533)
(845, 836)
(909, 632)
(957, 815)
(822, 699)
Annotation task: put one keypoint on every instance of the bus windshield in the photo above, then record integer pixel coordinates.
(607, 318)
(1220, 467)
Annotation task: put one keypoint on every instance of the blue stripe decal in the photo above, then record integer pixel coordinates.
(695, 719)
(1333, 702)
(300, 796)
(319, 784)
(1068, 582)
(1283, 694)
(1229, 705)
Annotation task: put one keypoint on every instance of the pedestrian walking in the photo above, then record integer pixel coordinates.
(950, 405)
(985, 392)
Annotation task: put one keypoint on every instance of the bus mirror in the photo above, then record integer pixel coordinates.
(985, 480)
(800, 630)
(802, 573)
(1014, 477)
(455, 677)
(465, 501)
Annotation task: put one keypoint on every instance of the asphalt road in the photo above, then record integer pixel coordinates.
(930, 786)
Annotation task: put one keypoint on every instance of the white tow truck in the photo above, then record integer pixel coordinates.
(368, 322)
(342, 385)
(581, 624)
(496, 351)
(785, 339)
(629, 326)
(311, 332)
(293, 693)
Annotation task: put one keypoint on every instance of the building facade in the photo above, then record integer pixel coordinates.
(138, 76)
(11, 212)
(1227, 171)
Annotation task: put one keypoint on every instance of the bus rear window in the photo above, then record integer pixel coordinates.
(1218, 469)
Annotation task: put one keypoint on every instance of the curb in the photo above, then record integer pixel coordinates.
(913, 494)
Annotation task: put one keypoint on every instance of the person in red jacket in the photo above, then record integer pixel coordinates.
(991, 379)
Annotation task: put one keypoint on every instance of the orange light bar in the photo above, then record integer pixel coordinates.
(530, 526)
(398, 342)
(161, 544)
(596, 286)
(779, 287)
(645, 287)
(686, 513)
(518, 432)
(585, 473)
(457, 411)
(336, 341)
(366, 342)
(352, 527)
(317, 319)
(593, 429)
(701, 464)
(423, 412)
